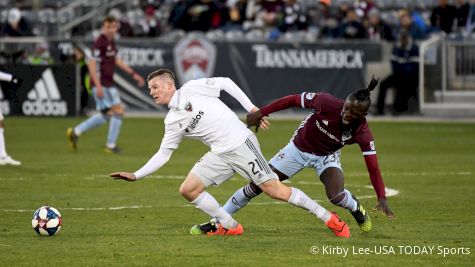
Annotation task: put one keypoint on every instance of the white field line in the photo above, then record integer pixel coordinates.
(354, 174)
(389, 193)
(182, 177)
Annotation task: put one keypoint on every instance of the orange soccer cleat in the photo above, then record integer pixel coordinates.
(238, 230)
(339, 227)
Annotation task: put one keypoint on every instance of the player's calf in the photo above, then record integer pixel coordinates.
(346, 200)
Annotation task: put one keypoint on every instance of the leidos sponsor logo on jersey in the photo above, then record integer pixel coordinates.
(194, 121)
(195, 58)
(44, 98)
(4, 106)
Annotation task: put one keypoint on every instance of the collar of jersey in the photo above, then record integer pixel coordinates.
(175, 100)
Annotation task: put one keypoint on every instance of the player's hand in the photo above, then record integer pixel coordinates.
(255, 118)
(123, 175)
(99, 91)
(384, 208)
(264, 125)
(139, 79)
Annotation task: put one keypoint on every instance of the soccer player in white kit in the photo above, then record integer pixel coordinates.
(5, 159)
(197, 112)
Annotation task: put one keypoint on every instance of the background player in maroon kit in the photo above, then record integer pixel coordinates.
(101, 65)
(332, 124)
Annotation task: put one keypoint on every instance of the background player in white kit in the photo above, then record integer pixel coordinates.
(197, 112)
(5, 159)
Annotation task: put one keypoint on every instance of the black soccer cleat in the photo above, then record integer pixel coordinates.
(361, 217)
(204, 228)
(114, 150)
(72, 138)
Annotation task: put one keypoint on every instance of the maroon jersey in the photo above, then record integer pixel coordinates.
(104, 52)
(322, 132)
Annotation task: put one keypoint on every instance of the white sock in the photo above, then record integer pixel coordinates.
(300, 199)
(348, 202)
(3, 151)
(6, 77)
(208, 204)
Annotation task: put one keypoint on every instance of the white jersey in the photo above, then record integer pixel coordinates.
(197, 112)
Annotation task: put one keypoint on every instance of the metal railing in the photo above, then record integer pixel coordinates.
(447, 75)
(100, 7)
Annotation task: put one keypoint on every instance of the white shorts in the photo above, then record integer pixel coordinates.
(1, 116)
(247, 160)
(290, 160)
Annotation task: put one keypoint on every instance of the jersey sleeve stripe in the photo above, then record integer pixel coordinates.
(301, 100)
(366, 153)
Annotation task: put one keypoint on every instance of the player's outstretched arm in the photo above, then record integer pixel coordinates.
(157, 161)
(378, 185)
(128, 176)
(137, 77)
(384, 208)
(254, 118)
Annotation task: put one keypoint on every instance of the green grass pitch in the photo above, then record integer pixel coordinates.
(116, 223)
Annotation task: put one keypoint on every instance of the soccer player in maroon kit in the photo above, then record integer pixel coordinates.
(332, 124)
(101, 65)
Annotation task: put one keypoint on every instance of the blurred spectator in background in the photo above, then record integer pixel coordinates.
(443, 16)
(40, 55)
(377, 29)
(237, 15)
(125, 29)
(271, 12)
(330, 22)
(462, 10)
(294, 17)
(197, 16)
(343, 8)
(178, 16)
(149, 24)
(267, 15)
(222, 15)
(404, 77)
(363, 7)
(16, 25)
(317, 14)
(86, 90)
(406, 25)
(470, 19)
(351, 28)
(418, 19)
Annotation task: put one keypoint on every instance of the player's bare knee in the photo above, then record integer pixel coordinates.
(186, 190)
(117, 110)
(276, 190)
